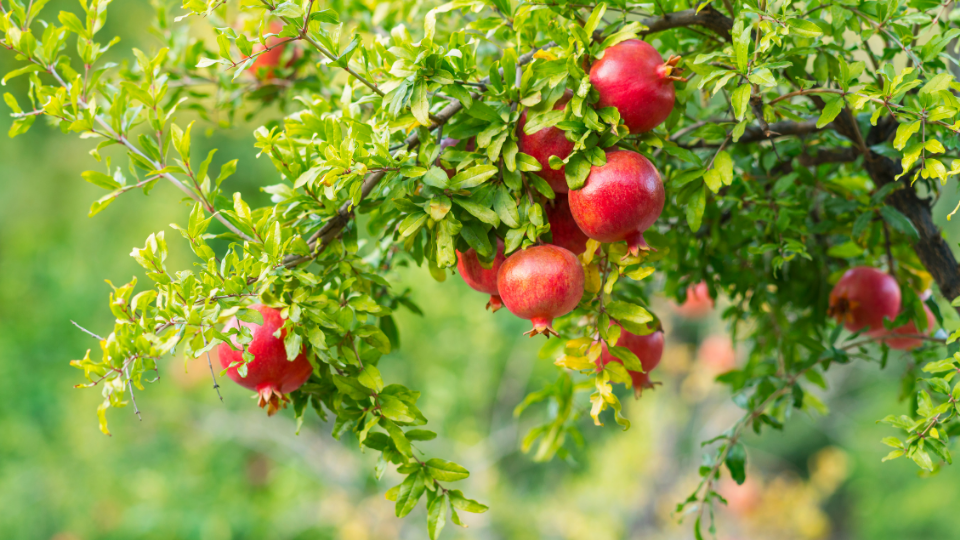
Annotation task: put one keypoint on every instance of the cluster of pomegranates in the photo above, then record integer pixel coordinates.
(618, 202)
(865, 296)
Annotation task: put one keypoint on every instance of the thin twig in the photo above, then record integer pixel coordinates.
(87, 331)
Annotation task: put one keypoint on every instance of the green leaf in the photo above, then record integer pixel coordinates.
(436, 514)
(420, 103)
(804, 28)
(478, 211)
(736, 462)
(410, 492)
(899, 222)
(830, 112)
(458, 501)
(399, 439)
(740, 99)
(506, 207)
(621, 310)
(629, 359)
(904, 132)
(846, 250)
(100, 180)
(695, 207)
(474, 176)
(445, 471)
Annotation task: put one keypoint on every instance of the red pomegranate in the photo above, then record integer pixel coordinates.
(716, 354)
(564, 229)
(541, 283)
(479, 278)
(633, 77)
(447, 142)
(269, 374)
(909, 329)
(551, 141)
(619, 200)
(698, 303)
(264, 64)
(863, 297)
(648, 348)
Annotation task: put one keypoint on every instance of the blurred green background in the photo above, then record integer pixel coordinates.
(198, 468)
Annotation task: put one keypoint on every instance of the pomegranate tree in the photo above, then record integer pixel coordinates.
(863, 297)
(269, 374)
(619, 200)
(566, 233)
(547, 142)
(541, 283)
(633, 77)
(480, 277)
(648, 348)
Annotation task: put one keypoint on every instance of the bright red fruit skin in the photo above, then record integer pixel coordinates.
(547, 142)
(863, 297)
(448, 142)
(541, 283)
(563, 227)
(909, 329)
(698, 303)
(479, 278)
(619, 200)
(270, 374)
(648, 348)
(633, 77)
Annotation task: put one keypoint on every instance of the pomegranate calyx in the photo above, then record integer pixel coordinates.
(648, 385)
(635, 244)
(541, 326)
(670, 71)
(272, 400)
(495, 303)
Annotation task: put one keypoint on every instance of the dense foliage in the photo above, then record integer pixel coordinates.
(807, 139)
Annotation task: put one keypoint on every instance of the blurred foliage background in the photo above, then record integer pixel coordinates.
(198, 468)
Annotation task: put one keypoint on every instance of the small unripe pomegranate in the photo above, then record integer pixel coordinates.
(541, 283)
(564, 229)
(863, 297)
(633, 77)
(619, 200)
(479, 278)
(698, 303)
(909, 329)
(648, 348)
(447, 142)
(547, 142)
(269, 374)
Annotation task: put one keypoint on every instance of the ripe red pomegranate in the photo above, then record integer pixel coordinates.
(564, 229)
(633, 77)
(264, 64)
(909, 329)
(447, 142)
(541, 283)
(551, 141)
(270, 374)
(479, 278)
(698, 303)
(716, 354)
(863, 297)
(619, 200)
(648, 348)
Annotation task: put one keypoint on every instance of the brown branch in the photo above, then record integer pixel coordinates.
(708, 18)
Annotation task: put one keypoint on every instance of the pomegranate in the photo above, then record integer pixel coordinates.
(269, 374)
(479, 278)
(863, 297)
(633, 77)
(909, 329)
(541, 283)
(264, 64)
(551, 141)
(447, 142)
(564, 229)
(698, 303)
(619, 200)
(648, 348)
(716, 354)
